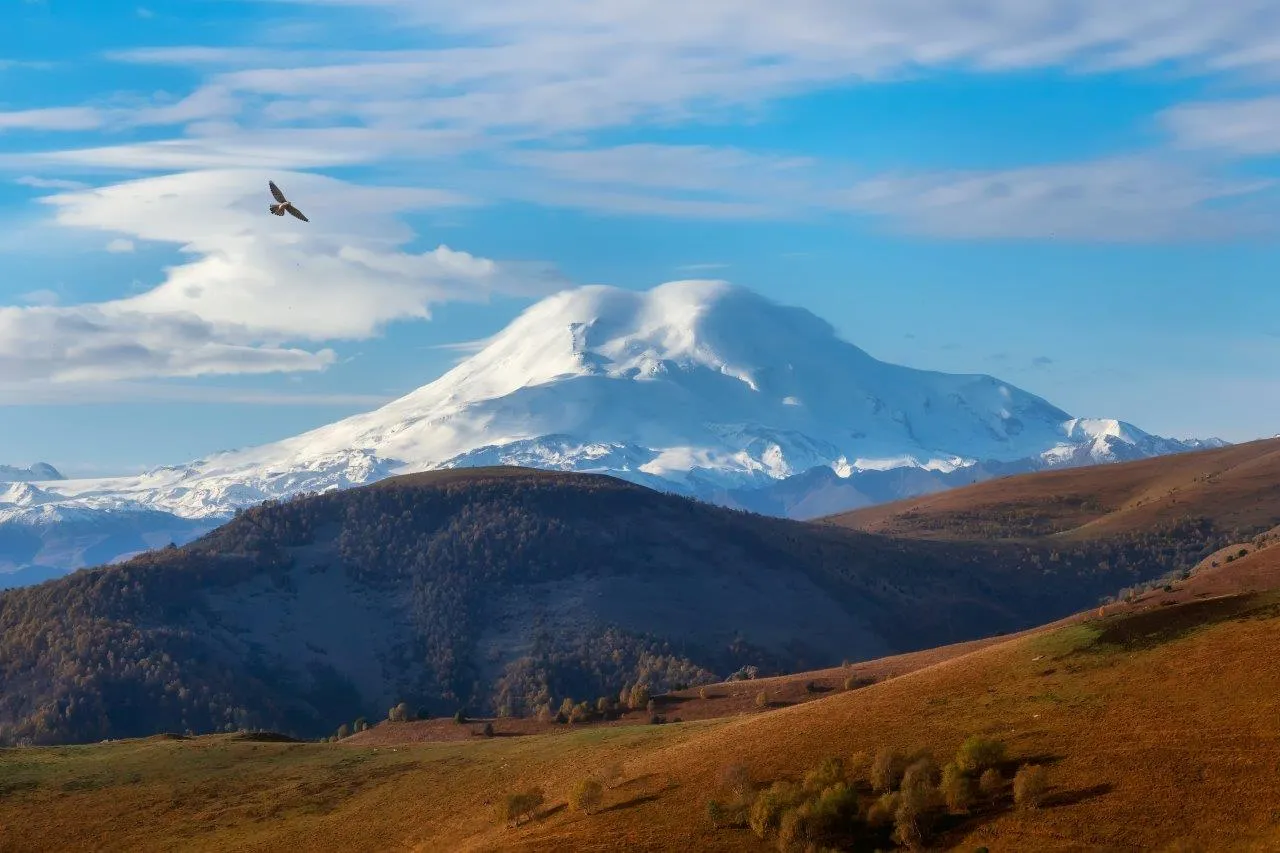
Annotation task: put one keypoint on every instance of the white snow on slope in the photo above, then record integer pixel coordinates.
(693, 386)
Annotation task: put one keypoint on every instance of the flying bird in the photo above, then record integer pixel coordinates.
(285, 204)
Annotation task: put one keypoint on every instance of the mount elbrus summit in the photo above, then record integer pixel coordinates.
(695, 387)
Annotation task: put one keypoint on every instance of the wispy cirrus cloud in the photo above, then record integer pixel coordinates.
(1244, 127)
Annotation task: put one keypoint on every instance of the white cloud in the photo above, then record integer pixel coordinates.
(1117, 200)
(50, 183)
(40, 297)
(1243, 127)
(120, 246)
(254, 284)
(1126, 199)
(82, 392)
(51, 118)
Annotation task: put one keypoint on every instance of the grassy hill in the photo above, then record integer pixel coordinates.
(1232, 490)
(484, 589)
(1158, 728)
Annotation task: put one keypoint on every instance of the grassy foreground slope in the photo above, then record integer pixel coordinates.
(1157, 726)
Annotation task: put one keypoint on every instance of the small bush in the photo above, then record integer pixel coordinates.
(859, 768)
(703, 694)
(488, 730)
(343, 731)
(735, 781)
(460, 716)
(991, 782)
(400, 713)
(829, 771)
(521, 806)
(586, 796)
(810, 687)
(978, 753)
(766, 811)
(882, 810)
(762, 699)
(886, 770)
(956, 789)
(795, 827)
(921, 773)
(1030, 785)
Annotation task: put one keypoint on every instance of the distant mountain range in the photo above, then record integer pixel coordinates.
(699, 388)
(40, 471)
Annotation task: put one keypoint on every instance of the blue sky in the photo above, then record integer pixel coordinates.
(1076, 196)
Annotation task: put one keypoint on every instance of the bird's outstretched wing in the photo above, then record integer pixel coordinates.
(275, 191)
(297, 213)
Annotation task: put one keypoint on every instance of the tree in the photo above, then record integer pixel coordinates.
(400, 713)
(343, 731)
(586, 796)
(360, 724)
(859, 767)
(1030, 784)
(639, 697)
(827, 773)
(460, 716)
(488, 729)
(956, 788)
(978, 753)
(886, 770)
(991, 782)
(521, 805)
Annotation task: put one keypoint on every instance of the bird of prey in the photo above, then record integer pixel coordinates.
(285, 204)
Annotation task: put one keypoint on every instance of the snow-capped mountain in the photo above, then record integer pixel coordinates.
(697, 387)
(37, 472)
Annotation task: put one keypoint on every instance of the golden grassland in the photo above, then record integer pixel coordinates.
(1158, 725)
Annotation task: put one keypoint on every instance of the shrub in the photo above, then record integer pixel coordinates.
(768, 807)
(1030, 785)
(810, 687)
(460, 716)
(762, 699)
(639, 697)
(978, 753)
(735, 781)
(859, 768)
(360, 724)
(604, 705)
(586, 796)
(834, 810)
(886, 770)
(882, 810)
(522, 805)
(424, 713)
(829, 771)
(922, 772)
(611, 774)
(991, 782)
(913, 819)
(795, 827)
(956, 789)
(703, 694)
(343, 731)
(400, 713)
(488, 730)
